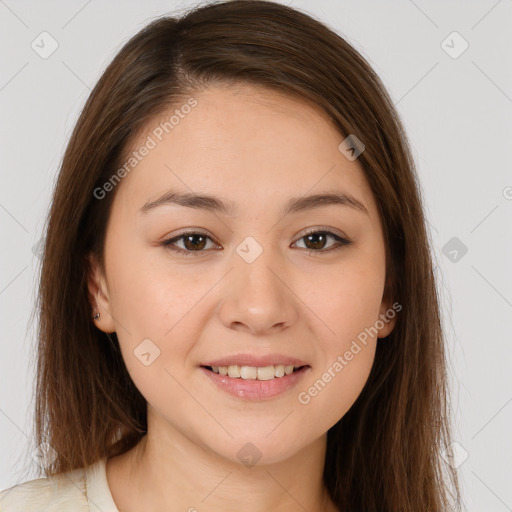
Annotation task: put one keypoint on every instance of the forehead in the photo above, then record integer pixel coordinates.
(250, 145)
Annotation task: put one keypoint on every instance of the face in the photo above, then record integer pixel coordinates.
(272, 283)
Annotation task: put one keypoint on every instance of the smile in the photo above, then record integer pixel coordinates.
(249, 380)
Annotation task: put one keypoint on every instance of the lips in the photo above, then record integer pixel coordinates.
(254, 389)
(255, 377)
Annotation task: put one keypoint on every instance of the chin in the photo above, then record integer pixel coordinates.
(258, 447)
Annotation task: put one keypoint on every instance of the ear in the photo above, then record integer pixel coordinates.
(387, 313)
(98, 295)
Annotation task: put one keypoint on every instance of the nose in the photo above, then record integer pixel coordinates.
(258, 296)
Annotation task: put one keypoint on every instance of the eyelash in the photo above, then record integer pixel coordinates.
(342, 242)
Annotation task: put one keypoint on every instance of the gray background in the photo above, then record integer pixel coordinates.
(457, 112)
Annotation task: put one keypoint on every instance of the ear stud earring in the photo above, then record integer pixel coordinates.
(96, 316)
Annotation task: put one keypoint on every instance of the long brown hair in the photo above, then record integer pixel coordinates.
(385, 453)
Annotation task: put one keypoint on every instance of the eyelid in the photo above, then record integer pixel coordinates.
(190, 231)
(323, 229)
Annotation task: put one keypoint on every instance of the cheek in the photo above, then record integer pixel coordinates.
(161, 321)
(154, 307)
(149, 295)
(348, 303)
(349, 308)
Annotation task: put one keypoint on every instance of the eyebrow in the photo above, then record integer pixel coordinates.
(215, 204)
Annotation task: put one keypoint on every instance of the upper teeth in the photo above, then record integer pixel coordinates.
(254, 372)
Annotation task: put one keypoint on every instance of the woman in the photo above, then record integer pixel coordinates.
(237, 302)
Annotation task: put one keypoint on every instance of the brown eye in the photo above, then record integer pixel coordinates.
(192, 242)
(316, 241)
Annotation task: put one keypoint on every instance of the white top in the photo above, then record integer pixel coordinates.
(75, 491)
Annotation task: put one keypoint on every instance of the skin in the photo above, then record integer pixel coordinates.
(254, 148)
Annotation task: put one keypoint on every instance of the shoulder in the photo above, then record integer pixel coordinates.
(65, 492)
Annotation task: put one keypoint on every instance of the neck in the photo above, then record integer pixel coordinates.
(168, 471)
